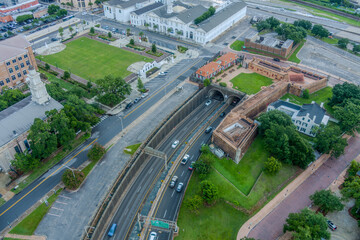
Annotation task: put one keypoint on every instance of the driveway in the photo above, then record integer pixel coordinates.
(272, 225)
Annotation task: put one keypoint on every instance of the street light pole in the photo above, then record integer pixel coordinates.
(71, 170)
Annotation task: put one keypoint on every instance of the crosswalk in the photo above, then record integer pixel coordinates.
(101, 119)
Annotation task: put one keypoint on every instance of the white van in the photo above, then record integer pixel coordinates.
(153, 236)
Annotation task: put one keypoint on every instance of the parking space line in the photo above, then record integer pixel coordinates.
(173, 193)
(61, 202)
(165, 213)
(54, 215)
(64, 197)
(58, 208)
(182, 173)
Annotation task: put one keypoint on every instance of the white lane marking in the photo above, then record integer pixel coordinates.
(64, 197)
(173, 193)
(58, 208)
(192, 157)
(54, 215)
(138, 189)
(165, 213)
(126, 210)
(61, 202)
(182, 173)
(150, 170)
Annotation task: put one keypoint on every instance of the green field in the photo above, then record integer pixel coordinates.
(131, 149)
(323, 95)
(91, 59)
(223, 221)
(293, 57)
(250, 83)
(237, 45)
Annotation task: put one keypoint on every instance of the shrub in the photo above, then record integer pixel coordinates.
(306, 94)
(132, 42)
(222, 84)
(97, 25)
(47, 67)
(66, 75)
(70, 181)
(209, 191)
(109, 35)
(43, 76)
(96, 152)
(92, 30)
(207, 82)
(272, 165)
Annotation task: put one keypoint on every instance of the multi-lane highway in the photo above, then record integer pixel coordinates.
(131, 204)
(105, 131)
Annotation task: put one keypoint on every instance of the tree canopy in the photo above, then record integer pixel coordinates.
(205, 15)
(320, 31)
(272, 165)
(52, 9)
(307, 225)
(328, 139)
(10, 97)
(112, 89)
(343, 42)
(342, 92)
(348, 114)
(307, 25)
(23, 18)
(209, 191)
(327, 201)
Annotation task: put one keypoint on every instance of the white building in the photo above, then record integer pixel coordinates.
(177, 18)
(305, 117)
(120, 10)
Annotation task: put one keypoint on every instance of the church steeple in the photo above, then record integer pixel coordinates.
(37, 87)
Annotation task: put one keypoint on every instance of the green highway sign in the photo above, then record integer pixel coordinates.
(161, 224)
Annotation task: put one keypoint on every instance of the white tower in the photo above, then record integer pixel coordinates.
(37, 87)
(169, 7)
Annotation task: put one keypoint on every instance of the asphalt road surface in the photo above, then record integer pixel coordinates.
(131, 204)
(106, 130)
(169, 206)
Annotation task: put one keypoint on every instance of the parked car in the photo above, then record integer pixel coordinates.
(191, 167)
(162, 73)
(185, 159)
(137, 100)
(153, 236)
(54, 39)
(173, 181)
(106, 27)
(129, 105)
(112, 230)
(179, 187)
(208, 130)
(144, 95)
(208, 102)
(222, 114)
(276, 59)
(331, 225)
(175, 144)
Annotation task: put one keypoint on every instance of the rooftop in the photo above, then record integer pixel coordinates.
(280, 103)
(313, 109)
(20, 116)
(227, 58)
(12, 47)
(189, 13)
(148, 8)
(124, 4)
(208, 69)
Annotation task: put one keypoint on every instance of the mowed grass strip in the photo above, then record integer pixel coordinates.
(237, 45)
(92, 60)
(250, 83)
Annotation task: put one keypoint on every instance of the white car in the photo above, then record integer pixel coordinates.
(83, 13)
(208, 102)
(153, 236)
(144, 95)
(185, 159)
(162, 73)
(175, 144)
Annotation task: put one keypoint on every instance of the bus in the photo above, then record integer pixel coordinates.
(67, 18)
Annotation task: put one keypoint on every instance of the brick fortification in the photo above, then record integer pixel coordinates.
(238, 129)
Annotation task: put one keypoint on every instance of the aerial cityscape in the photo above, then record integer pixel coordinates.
(180, 119)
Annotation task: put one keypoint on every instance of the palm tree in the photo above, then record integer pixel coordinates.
(71, 29)
(90, 4)
(141, 34)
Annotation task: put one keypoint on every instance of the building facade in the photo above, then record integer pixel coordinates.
(120, 10)
(306, 117)
(15, 58)
(13, 5)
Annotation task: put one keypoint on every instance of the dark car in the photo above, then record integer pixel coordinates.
(276, 59)
(208, 130)
(129, 105)
(54, 39)
(331, 225)
(222, 114)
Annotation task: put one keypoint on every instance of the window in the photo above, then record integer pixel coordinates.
(119, 11)
(309, 120)
(27, 62)
(16, 67)
(25, 56)
(7, 80)
(19, 58)
(13, 77)
(19, 74)
(17, 149)
(303, 118)
(24, 72)
(14, 60)
(1, 83)
(27, 145)
(11, 70)
(8, 63)
(22, 65)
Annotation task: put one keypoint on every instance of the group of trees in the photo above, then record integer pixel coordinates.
(112, 90)
(23, 18)
(10, 97)
(209, 194)
(205, 15)
(328, 139)
(346, 102)
(96, 152)
(55, 10)
(283, 141)
(270, 23)
(351, 188)
(320, 31)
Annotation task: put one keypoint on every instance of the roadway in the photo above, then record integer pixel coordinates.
(102, 133)
(132, 203)
(169, 206)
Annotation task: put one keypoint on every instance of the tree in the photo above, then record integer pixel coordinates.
(328, 138)
(170, 30)
(356, 48)
(194, 203)
(98, 2)
(109, 35)
(71, 29)
(42, 142)
(47, 67)
(141, 34)
(112, 89)
(23, 18)
(96, 152)
(342, 92)
(209, 191)
(128, 32)
(153, 48)
(25, 162)
(52, 9)
(303, 23)
(55, 91)
(273, 117)
(306, 94)
(273, 22)
(320, 31)
(90, 4)
(327, 201)
(140, 85)
(61, 13)
(202, 168)
(207, 82)
(348, 115)
(61, 31)
(205, 15)
(92, 30)
(307, 225)
(72, 179)
(272, 165)
(354, 168)
(351, 188)
(132, 42)
(343, 42)
(222, 84)
(66, 75)
(262, 25)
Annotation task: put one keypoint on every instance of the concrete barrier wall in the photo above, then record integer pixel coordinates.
(116, 194)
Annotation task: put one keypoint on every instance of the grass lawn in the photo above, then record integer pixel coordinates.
(250, 83)
(132, 148)
(91, 59)
(333, 41)
(293, 57)
(47, 165)
(320, 96)
(29, 224)
(2, 201)
(237, 45)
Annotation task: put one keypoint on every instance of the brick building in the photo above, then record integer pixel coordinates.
(15, 58)
(269, 44)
